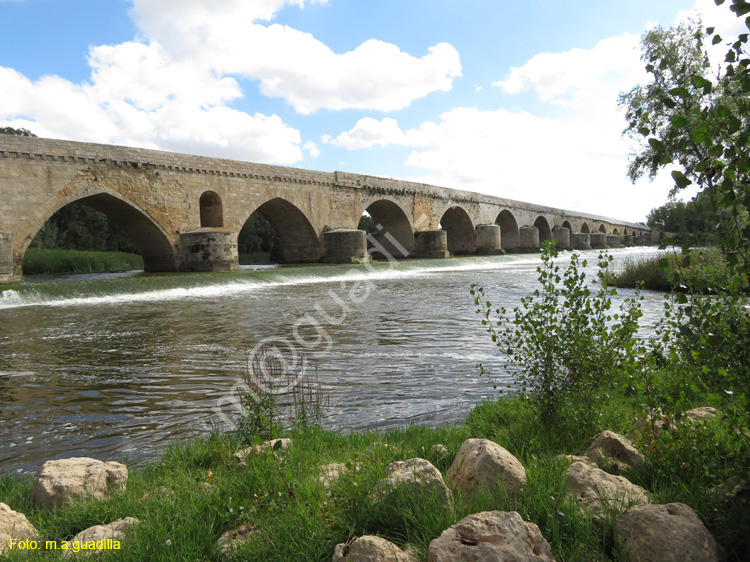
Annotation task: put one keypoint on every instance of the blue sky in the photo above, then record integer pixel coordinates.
(515, 99)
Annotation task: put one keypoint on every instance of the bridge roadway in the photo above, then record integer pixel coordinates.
(185, 212)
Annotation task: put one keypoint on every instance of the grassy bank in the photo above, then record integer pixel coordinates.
(70, 261)
(671, 271)
(182, 515)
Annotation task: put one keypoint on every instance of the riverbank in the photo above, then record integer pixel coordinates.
(37, 261)
(197, 491)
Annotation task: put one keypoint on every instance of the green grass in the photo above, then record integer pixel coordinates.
(299, 521)
(70, 261)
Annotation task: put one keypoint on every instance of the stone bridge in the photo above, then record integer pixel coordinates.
(185, 212)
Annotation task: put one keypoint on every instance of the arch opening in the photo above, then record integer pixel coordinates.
(602, 229)
(585, 229)
(394, 237)
(103, 222)
(545, 232)
(462, 237)
(212, 213)
(615, 231)
(510, 237)
(293, 239)
(566, 224)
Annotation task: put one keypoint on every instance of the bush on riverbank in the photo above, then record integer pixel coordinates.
(37, 261)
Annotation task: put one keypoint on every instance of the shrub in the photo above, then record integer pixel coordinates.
(563, 341)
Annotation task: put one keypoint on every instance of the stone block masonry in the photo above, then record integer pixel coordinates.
(166, 202)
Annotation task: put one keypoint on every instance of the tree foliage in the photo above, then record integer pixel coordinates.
(18, 132)
(689, 223)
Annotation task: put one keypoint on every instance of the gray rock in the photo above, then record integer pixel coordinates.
(612, 450)
(14, 525)
(699, 414)
(281, 444)
(664, 533)
(98, 535)
(415, 476)
(231, 540)
(58, 481)
(371, 549)
(483, 465)
(329, 473)
(491, 536)
(601, 493)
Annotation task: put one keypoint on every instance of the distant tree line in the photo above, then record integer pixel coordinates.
(689, 222)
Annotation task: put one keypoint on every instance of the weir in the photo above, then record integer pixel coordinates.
(185, 212)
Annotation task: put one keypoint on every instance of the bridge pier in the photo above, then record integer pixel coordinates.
(561, 237)
(488, 240)
(431, 244)
(529, 239)
(581, 241)
(345, 246)
(613, 240)
(7, 270)
(627, 240)
(210, 249)
(598, 240)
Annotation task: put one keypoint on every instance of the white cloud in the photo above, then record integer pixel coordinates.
(574, 161)
(312, 149)
(291, 64)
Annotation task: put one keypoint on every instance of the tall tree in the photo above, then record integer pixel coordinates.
(18, 132)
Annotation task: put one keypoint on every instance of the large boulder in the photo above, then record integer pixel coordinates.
(701, 414)
(414, 476)
(371, 549)
(612, 450)
(100, 538)
(491, 536)
(484, 466)
(58, 481)
(601, 493)
(664, 533)
(14, 525)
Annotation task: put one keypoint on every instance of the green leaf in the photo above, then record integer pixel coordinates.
(680, 92)
(679, 121)
(645, 131)
(680, 179)
(716, 40)
(656, 144)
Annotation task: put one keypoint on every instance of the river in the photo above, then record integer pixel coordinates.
(116, 366)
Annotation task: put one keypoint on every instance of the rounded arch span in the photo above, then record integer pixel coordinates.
(462, 237)
(585, 229)
(615, 231)
(212, 213)
(509, 234)
(625, 232)
(566, 224)
(151, 240)
(545, 232)
(297, 240)
(395, 237)
(602, 229)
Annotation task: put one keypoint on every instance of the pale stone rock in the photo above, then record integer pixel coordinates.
(482, 464)
(267, 447)
(644, 428)
(700, 414)
(664, 533)
(14, 525)
(612, 450)
(416, 476)
(231, 540)
(329, 473)
(570, 459)
(601, 492)
(491, 536)
(440, 450)
(99, 534)
(371, 549)
(58, 481)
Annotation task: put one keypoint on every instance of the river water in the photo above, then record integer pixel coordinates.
(115, 366)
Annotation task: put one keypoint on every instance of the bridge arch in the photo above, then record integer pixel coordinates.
(510, 237)
(585, 228)
(545, 232)
(211, 210)
(462, 237)
(147, 234)
(395, 234)
(602, 229)
(297, 240)
(566, 224)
